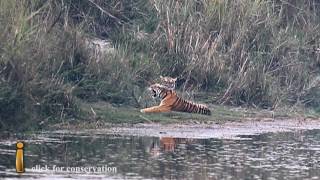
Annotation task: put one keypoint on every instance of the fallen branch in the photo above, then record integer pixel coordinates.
(106, 12)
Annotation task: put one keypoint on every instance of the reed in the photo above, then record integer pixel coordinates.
(261, 53)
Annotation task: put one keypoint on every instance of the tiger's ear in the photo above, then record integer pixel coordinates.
(161, 77)
(175, 79)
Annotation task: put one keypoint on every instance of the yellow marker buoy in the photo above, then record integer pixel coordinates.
(19, 158)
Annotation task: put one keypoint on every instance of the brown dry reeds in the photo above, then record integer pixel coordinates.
(261, 53)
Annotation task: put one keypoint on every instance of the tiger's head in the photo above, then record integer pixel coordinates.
(168, 82)
(157, 90)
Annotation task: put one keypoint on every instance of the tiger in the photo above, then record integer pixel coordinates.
(170, 101)
(168, 82)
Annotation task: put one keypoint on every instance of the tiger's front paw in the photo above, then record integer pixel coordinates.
(142, 110)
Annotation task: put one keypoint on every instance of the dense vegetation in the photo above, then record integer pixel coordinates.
(261, 53)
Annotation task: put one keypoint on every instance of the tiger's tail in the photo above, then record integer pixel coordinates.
(188, 106)
(201, 109)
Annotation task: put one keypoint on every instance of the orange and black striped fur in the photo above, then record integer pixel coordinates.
(168, 82)
(171, 102)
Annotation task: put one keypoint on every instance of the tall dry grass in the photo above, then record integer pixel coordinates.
(249, 52)
(37, 58)
(262, 53)
(46, 63)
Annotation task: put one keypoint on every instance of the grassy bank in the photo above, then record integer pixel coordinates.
(103, 115)
(263, 53)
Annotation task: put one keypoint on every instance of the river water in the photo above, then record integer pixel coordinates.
(277, 155)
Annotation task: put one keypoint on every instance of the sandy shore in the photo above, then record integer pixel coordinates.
(228, 130)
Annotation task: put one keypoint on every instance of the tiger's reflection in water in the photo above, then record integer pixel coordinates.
(167, 145)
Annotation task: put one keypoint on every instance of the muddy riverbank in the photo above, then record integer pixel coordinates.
(226, 130)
